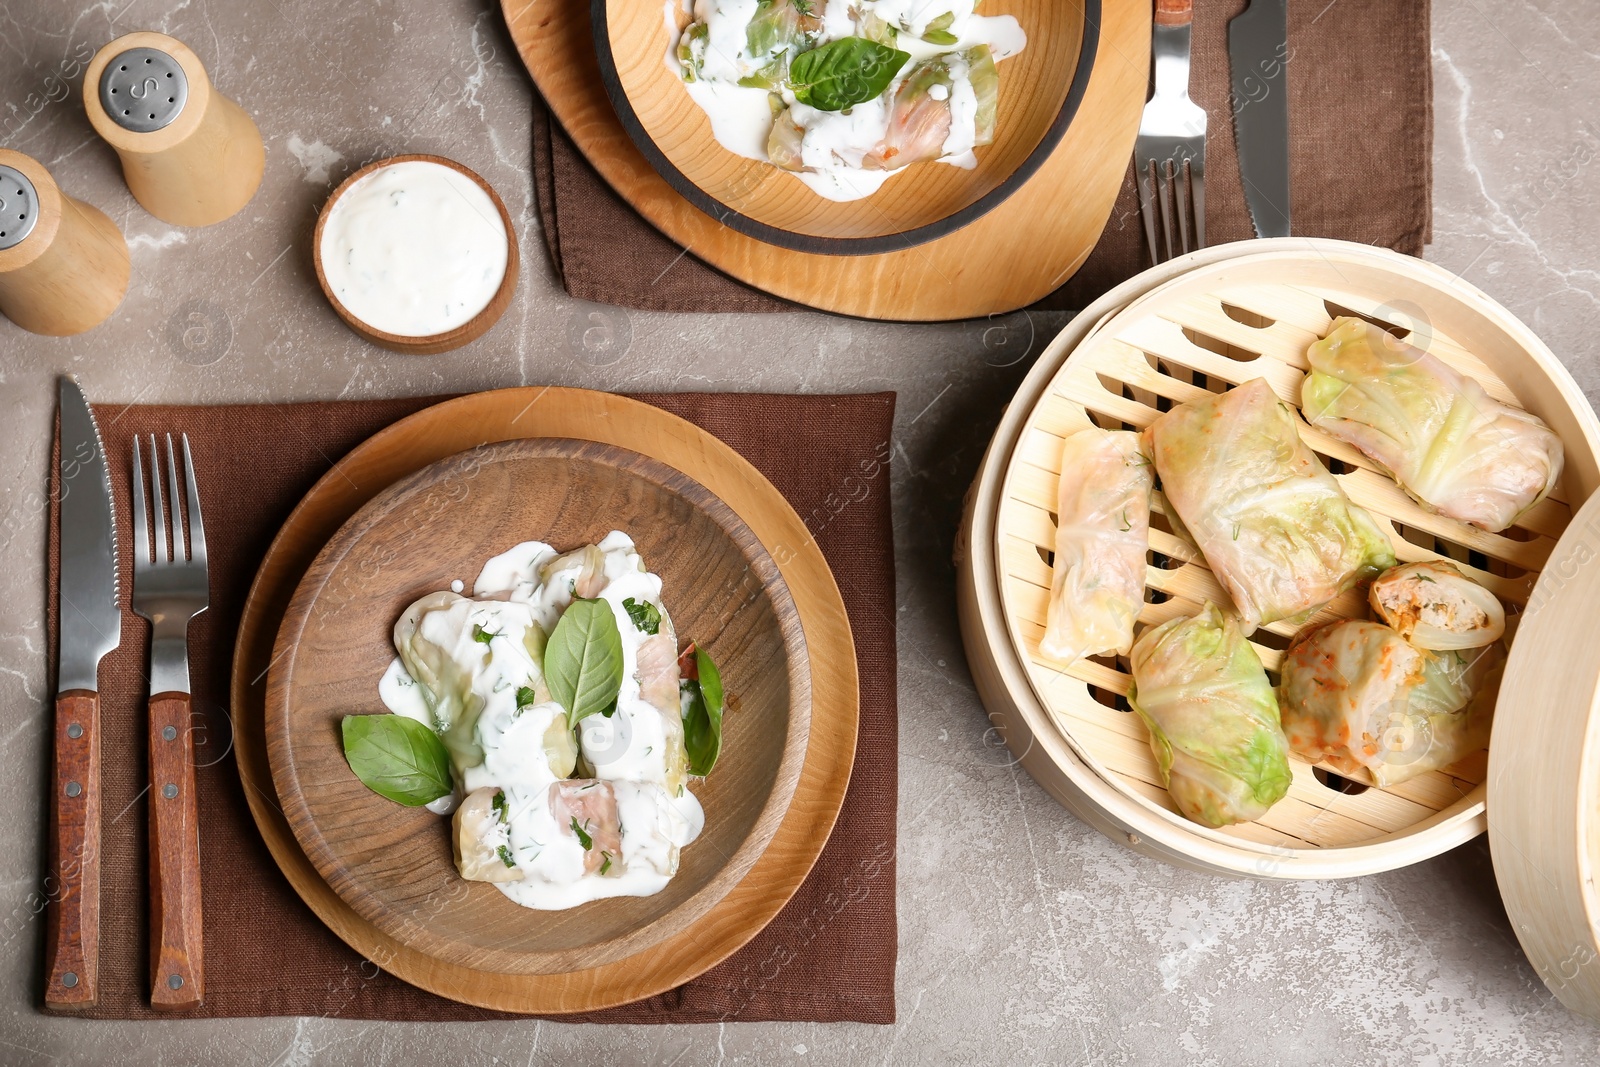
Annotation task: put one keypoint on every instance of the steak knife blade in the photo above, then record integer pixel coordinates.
(1258, 58)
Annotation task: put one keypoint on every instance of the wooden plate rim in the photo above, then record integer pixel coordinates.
(281, 744)
(830, 747)
(1088, 48)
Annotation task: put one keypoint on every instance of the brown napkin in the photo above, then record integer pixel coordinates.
(1360, 138)
(829, 955)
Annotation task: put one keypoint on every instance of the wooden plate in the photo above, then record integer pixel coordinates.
(513, 414)
(393, 864)
(1020, 251)
(1040, 91)
(1242, 318)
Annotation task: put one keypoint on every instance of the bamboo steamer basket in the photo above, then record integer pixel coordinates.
(1222, 317)
(1191, 316)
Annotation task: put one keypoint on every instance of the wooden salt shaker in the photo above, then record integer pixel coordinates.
(63, 263)
(189, 154)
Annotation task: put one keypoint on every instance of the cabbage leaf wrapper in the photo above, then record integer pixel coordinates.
(1451, 446)
(1102, 534)
(1213, 718)
(1361, 697)
(1434, 606)
(1273, 524)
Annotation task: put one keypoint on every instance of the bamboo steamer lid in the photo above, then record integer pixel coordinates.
(1544, 772)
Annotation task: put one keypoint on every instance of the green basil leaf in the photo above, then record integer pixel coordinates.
(525, 698)
(583, 838)
(482, 636)
(397, 758)
(843, 73)
(702, 718)
(504, 852)
(646, 616)
(583, 661)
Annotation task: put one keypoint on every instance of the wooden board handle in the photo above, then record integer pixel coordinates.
(177, 967)
(72, 952)
(1174, 12)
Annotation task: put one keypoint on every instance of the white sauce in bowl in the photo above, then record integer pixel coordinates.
(414, 249)
(834, 144)
(485, 653)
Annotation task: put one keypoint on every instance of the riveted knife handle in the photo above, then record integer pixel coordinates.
(177, 961)
(1174, 12)
(72, 954)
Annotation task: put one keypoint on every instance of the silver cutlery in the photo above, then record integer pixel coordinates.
(89, 624)
(1170, 153)
(170, 588)
(1258, 58)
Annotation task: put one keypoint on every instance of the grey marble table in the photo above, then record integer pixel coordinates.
(1024, 935)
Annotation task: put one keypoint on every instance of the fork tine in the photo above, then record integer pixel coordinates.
(1164, 191)
(141, 522)
(1197, 178)
(1180, 196)
(180, 544)
(1145, 183)
(158, 505)
(197, 526)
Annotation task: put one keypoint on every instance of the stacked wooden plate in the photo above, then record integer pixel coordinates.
(1200, 325)
(395, 519)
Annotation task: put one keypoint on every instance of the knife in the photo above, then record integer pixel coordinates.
(1258, 56)
(89, 624)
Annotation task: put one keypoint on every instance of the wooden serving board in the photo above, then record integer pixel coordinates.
(394, 864)
(1019, 252)
(510, 415)
(1219, 326)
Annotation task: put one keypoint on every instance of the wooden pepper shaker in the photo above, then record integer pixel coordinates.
(63, 264)
(189, 154)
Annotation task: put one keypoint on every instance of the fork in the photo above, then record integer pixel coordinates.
(1170, 153)
(170, 588)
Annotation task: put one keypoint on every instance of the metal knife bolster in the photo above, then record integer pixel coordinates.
(1258, 59)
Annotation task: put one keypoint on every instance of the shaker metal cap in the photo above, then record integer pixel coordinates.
(143, 90)
(19, 207)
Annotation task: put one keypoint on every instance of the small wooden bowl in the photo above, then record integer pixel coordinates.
(393, 864)
(432, 344)
(1040, 91)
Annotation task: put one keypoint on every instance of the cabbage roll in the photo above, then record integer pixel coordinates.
(1359, 696)
(1454, 449)
(1102, 533)
(1213, 718)
(1273, 524)
(946, 105)
(1434, 606)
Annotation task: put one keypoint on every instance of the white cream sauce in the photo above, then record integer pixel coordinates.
(834, 143)
(414, 249)
(481, 651)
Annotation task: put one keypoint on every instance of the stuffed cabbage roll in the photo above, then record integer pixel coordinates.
(1102, 533)
(945, 107)
(1434, 606)
(1359, 696)
(1273, 524)
(1457, 451)
(1213, 718)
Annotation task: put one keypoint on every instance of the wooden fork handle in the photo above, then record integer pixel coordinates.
(177, 961)
(1174, 12)
(72, 952)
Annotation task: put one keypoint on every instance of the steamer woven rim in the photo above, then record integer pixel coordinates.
(1199, 334)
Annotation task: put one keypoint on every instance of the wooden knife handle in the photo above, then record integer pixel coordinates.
(177, 967)
(1174, 12)
(72, 953)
